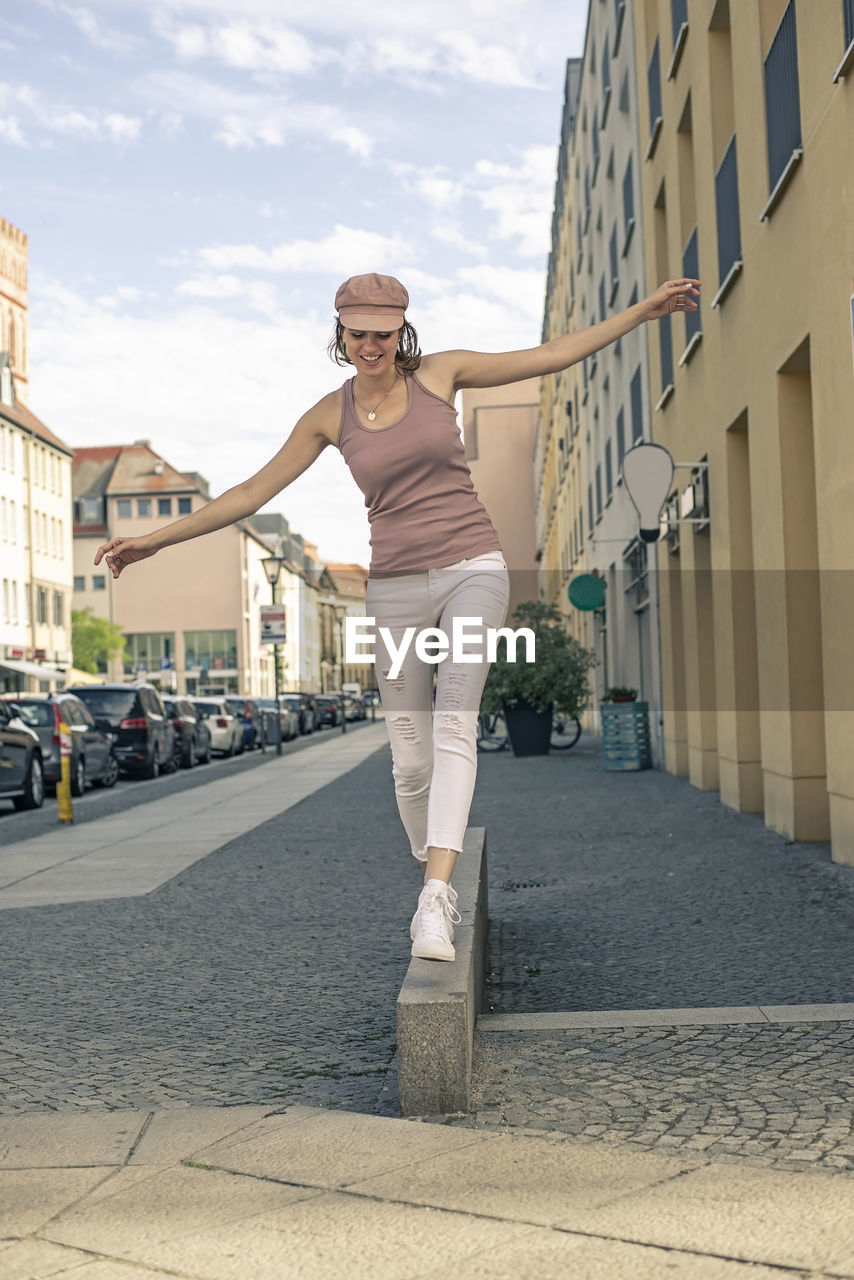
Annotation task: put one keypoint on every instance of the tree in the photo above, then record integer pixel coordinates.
(93, 639)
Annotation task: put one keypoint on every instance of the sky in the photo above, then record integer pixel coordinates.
(197, 177)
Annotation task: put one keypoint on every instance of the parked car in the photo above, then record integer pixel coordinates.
(192, 735)
(248, 713)
(21, 774)
(143, 737)
(92, 756)
(354, 707)
(371, 697)
(303, 704)
(329, 708)
(288, 718)
(225, 729)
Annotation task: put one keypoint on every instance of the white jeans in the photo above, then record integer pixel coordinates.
(435, 752)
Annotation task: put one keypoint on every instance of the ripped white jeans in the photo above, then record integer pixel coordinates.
(434, 752)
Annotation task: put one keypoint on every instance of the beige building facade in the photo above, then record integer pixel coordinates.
(746, 114)
(13, 309)
(190, 615)
(35, 505)
(500, 436)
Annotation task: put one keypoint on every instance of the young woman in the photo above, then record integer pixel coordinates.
(435, 555)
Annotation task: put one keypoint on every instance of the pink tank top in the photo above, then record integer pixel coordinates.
(422, 506)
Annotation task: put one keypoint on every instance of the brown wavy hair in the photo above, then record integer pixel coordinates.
(407, 358)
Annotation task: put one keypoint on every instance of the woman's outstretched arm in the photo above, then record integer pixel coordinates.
(479, 369)
(302, 447)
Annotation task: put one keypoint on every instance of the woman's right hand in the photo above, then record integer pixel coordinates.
(120, 552)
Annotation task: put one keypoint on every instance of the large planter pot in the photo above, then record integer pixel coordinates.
(529, 731)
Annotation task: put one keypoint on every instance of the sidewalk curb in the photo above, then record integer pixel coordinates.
(439, 1002)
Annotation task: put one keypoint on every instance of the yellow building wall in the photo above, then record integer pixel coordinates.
(757, 613)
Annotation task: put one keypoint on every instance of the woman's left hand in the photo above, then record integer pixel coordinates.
(674, 295)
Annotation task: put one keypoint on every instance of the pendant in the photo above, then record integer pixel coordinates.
(372, 415)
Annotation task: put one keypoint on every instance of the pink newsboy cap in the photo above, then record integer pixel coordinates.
(371, 302)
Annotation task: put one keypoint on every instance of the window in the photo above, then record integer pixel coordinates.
(598, 490)
(609, 471)
(123, 509)
(848, 25)
(679, 19)
(602, 306)
(614, 260)
(729, 227)
(99, 582)
(185, 506)
(79, 582)
(143, 507)
(620, 6)
(216, 650)
(164, 506)
(90, 511)
(586, 196)
(655, 117)
(590, 520)
(606, 81)
(628, 206)
(621, 438)
(149, 651)
(58, 609)
(636, 407)
(691, 268)
(595, 147)
(782, 108)
(41, 606)
(665, 339)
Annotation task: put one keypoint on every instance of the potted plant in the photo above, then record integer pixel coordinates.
(620, 693)
(530, 693)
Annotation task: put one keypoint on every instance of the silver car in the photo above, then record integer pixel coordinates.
(226, 729)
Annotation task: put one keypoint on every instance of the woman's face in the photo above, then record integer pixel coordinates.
(371, 353)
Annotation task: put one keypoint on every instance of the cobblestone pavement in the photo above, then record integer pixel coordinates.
(265, 973)
(780, 1096)
(637, 891)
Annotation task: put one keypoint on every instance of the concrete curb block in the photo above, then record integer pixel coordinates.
(439, 1001)
(617, 1018)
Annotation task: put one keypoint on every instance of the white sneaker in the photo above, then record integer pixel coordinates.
(432, 929)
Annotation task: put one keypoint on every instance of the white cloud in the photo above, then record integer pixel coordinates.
(87, 23)
(93, 125)
(252, 118)
(214, 392)
(344, 251)
(450, 234)
(10, 131)
(257, 294)
(244, 45)
(468, 56)
(519, 197)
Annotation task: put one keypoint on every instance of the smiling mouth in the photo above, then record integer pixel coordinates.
(372, 359)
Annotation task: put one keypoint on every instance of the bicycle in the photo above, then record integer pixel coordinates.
(492, 732)
(566, 730)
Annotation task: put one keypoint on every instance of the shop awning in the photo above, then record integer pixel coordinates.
(34, 669)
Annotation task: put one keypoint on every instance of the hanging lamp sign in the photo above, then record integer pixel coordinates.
(587, 591)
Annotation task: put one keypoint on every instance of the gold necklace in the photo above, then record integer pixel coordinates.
(372, 413)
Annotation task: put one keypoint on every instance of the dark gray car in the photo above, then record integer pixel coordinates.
(92, 756)
(21, 776)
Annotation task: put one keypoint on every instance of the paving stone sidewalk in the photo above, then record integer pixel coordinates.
(640, 892)
(265, 973)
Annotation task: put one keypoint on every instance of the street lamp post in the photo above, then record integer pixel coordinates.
(272, 568)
